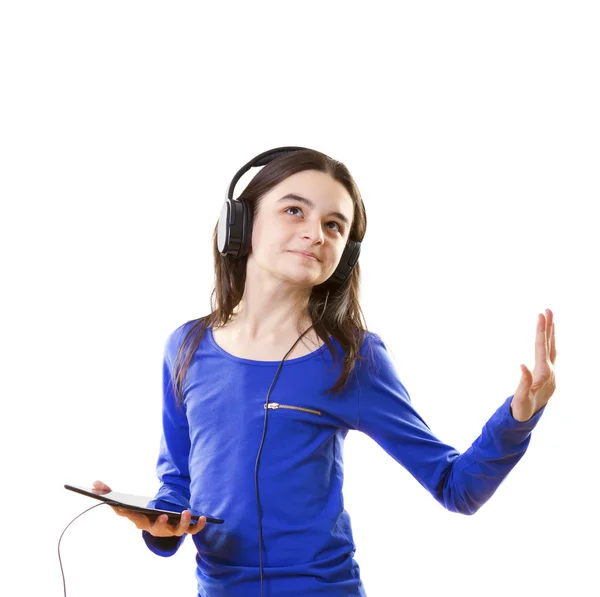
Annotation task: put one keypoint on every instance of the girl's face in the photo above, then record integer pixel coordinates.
(309, 211)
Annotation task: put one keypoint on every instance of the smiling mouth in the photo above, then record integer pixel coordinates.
(304, 255)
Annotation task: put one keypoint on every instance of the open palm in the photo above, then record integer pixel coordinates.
(535, 389)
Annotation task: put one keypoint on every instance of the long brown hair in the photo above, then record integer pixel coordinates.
(342, 318)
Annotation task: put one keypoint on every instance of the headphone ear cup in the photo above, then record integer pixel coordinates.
(346, 265)
(235, 228)
(246, 217)
(223, 228)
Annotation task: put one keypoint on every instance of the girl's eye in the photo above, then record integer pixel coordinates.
(332, 221)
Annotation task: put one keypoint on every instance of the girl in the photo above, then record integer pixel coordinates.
(270, 463)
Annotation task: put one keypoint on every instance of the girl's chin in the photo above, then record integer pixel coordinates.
(305, 278)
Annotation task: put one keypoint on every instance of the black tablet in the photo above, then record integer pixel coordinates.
(140, 503)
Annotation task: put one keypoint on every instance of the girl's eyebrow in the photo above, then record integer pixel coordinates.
(310, 203)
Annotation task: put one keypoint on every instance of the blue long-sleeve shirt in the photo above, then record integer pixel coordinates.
(208, 454)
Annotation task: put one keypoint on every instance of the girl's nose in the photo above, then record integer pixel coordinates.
(313, 231)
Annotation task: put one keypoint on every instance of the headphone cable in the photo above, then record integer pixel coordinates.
(260, 538)
(60, 538)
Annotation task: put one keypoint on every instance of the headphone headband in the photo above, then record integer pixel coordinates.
(260, 160)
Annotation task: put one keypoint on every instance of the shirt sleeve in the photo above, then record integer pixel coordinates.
(172, 464)
(460, 482)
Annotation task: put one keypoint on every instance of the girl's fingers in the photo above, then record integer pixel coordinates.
(198, 526)
(548, 331)
(137, 518)
(162, 521)
(161, 525)
(186, 526)
(184, 522)
(540, 341)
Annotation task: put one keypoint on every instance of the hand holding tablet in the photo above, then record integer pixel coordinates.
(160, 526)
(141, 511)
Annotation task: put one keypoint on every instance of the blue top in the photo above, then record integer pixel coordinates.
(208, 454)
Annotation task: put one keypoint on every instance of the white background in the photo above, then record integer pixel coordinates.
(472, 131)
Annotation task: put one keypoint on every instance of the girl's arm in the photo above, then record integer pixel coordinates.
(460, 482)
(172, 464)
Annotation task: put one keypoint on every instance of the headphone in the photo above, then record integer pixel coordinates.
(235, 222)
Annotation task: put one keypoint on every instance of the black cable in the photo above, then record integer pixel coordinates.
(60, 538)
(263, 440)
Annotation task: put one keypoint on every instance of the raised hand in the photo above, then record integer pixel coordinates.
(535, 389)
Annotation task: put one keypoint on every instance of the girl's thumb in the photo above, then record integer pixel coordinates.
(526, 377)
